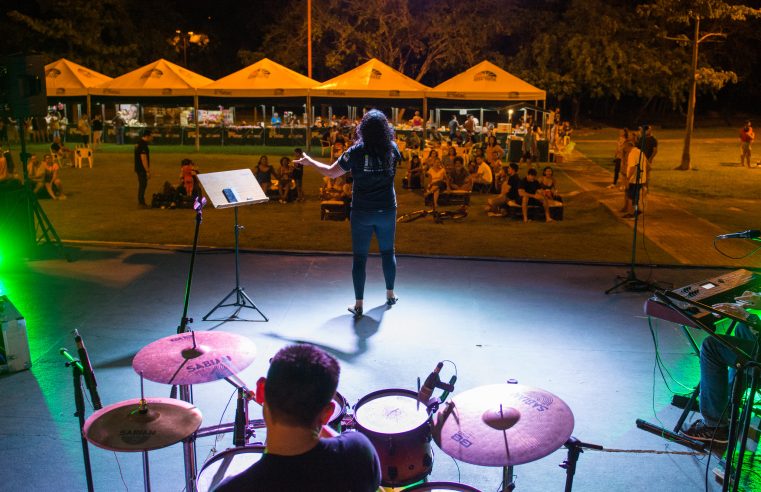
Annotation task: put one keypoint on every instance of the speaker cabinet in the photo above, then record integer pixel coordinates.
(14, 345)
(23, 83)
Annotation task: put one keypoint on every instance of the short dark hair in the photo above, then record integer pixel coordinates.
(532, 172)
(301, 381)
(459, 159)
(147, 132)
(513, 166)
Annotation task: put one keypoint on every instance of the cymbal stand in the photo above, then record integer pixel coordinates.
(77, 372)
(508, 478)
(575, 448)
(186, 391)
(143, 408)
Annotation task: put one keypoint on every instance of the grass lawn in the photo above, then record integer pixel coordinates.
(101, 206)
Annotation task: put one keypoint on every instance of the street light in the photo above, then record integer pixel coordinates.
(182, 39)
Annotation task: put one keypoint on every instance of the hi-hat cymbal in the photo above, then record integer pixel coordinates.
(125, 426)
(194, 357)
(502, 425)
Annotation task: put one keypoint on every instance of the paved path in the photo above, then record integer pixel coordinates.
(683, 235)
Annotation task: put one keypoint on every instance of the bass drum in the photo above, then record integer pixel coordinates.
(339, 412)
(400, 431)
(228, 463)
(441, 486)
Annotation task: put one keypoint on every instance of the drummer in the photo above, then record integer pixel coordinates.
(302, 452)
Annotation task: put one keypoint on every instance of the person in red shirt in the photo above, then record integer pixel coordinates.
(417, 120)
(746, 139)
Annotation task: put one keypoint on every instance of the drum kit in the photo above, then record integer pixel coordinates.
(501, 425)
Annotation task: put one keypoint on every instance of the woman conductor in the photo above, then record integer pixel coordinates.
(372, 161)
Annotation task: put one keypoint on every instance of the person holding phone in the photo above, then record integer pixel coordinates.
(372, 162)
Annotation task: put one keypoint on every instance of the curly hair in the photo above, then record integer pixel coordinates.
(375, 134)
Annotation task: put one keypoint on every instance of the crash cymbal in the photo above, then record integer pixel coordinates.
(502, 425)
(194, 357)
(126, 426)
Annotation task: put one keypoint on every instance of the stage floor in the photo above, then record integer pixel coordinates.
(546, 325)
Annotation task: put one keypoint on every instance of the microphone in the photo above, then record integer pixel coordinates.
(87, 372)
(430, 384)
(749, 234)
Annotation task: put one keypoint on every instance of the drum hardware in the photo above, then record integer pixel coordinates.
(575, 448)
(142, 425)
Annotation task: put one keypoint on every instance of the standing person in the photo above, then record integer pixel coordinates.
(119, 123)
(83, 125)
(372, 162)
(453, 126)
(746, 139)
(97, 130)
(623, 137)
(649, 146)
(635, 163)
(143, 166)
(302, 452)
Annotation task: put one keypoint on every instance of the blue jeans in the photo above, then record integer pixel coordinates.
(715, 375)
(363, 224)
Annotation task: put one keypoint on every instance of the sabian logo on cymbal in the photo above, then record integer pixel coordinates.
(136, 436)
(538, 401)
(200, 365)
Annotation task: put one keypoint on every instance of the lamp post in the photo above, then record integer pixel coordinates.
(182, 39)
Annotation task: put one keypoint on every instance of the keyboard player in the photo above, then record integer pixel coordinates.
(715, 360)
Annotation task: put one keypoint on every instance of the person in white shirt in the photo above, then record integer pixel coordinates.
(636, 162)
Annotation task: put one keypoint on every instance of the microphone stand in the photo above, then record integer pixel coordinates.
(575, 448)
(630, 282)
(77, 371)
(186, 391)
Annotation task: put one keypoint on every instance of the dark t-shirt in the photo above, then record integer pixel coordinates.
(514, 182)
(141, 148)
(346, 463)
(55, 147)
(460, 177)
(97, 125)
(651, 143)
(373, 178)
(530, 187)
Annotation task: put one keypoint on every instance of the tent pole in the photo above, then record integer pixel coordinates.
(89, 113)
(309, 122)
(425, 117)
(195, 120)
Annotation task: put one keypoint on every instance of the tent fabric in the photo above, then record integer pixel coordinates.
(264, 78)
(487, 82)
(373, 79)
(65, 78)
(160, 78)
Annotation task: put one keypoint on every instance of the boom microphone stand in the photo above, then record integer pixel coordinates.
(77, 372)
(630, 282)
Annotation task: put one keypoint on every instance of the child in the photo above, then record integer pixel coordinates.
(188, 173)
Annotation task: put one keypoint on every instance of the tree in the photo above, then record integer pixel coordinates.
(692, 23)
(416, 37)
(96, 34)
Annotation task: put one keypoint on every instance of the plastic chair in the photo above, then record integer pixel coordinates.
(81, 154)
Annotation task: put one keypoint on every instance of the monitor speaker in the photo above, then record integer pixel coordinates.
(22, 86)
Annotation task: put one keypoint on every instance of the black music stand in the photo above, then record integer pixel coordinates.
(233, 189)
(739, 419)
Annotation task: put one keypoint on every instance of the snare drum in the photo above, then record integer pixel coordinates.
(441, 486)
(228, 463)
(400, 431)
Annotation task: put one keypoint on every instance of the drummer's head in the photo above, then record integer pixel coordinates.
(301, 382)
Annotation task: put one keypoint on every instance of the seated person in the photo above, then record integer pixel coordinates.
(188, 181)
(285, 175)
(437, 181)
(60, 150)
(483, 177)
(415, 173)
(36, 173)
(508, 192)
(264, 173)
(492, 146)
(417, 120)
(48, 171)
(433, 158)
(530, 195)
(498, 169)
(332, 188)
(714, 376)
(302, 452)
(7, 178)
(547, 185)
(448, 160)
(459, 178)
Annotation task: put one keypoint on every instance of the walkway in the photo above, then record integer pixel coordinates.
(683, 235)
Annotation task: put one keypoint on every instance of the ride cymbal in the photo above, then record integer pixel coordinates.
(503, 425)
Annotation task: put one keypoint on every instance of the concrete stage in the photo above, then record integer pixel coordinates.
(546, 325)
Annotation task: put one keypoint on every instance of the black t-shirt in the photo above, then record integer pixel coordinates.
(97, 125)
(651, 143)
(530, 187)
(373, 178)
(141, 148)
(346, 463)
(514, 182)
(55, 147)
